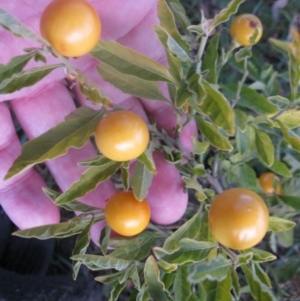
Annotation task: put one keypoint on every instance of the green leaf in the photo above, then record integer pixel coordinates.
(146, 158)
(104, 239)
(180, 16)
(192, 182)
(225, 13)
(143, 294)
(264, 147)
(155, 287)
(88, 181)
(189, 229)
(242, 54)
(205, 233)
(215, 269)
(92, 91)
(61, 230)
(211, 59)
(292, 201)
(136, 248)
(294, 74)
(259, 255)
(277, 224)
(280, 168)
(235, 283)
(200, 148)
(128, 61)
(261, 275)
(241, 120)
(258, 289)
(97, 262)
(167, 22)
(290, 137)
(243, 258)
(217, 291)
(290, 118)
(73, 132)
(282, 46)
(81, 245)
(188, 251)
(216, 106)
(242, 175)
(140, 180)
(117, 288)
(212, 135)
(245, 142)
(182, 95)
(99, 161)
(125, 175)
(15, 65)
(181, 285)
(131, 84)
(26, 78)
(17, 28)
(252, 100)
(279, 101)
(171, 44)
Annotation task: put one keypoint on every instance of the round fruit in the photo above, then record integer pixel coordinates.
(268, 181)
(122, 136)
(238, 218)
(72, 27)
(126, 215)
(243, 27)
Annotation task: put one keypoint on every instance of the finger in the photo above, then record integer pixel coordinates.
(47, 108)
(21, 197)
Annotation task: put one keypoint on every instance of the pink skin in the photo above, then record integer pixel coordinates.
(42, 106)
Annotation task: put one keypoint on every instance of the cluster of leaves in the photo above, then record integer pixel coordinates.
(242, 126)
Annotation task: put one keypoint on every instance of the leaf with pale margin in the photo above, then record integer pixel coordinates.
(241, 120)
(26, 78)
(264, 147)
(146, 158)
(192, 182)
(74, 206)
(128, 61)
(279, 101)
(97, 161)
(226, 13)
(140, 180)
(261, 274)
(290, 137)
(258, 290)
(259, 255)
(131, 84)
(116, 290)
(199, 148)
(242, 54)
(212, 135)
(235, 283)
(104, 239)
(73, 132)
(61, 230)
(188, 251)
(17, 28)
(81, 245)
(290, 118)
(215, 269)
(243, 258)
(210, 59)
(155, 286)
(92, 91)
(170, 44)
(277, 224)
(97, 262)
(15, 65)
(252, 100)
(189, 229)
(215, 105)
(88, 181)
(167, 22)
(281, 169)
(180, 15)
(183, 95)
(136, 248)
(217, 291)
(181, 285)
(125, 175)
(279, 45)
(294, 74)
(292, 201)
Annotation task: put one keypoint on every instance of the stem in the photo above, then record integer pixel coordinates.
(214, 183)
(230, 253)
(200, 52)
(241, 82)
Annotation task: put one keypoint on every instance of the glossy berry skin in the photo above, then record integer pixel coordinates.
(72, 27)
(122, 136)
(243, 27)
(267, 181)
(126, 215)
(238, 218)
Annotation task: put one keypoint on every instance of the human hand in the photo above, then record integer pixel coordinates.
(44, 105)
